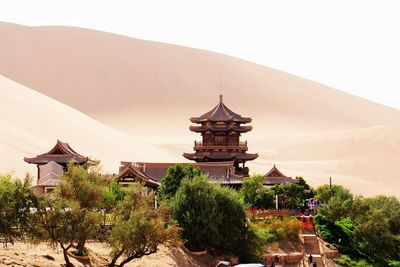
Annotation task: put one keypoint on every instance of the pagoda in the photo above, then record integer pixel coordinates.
(220, 129)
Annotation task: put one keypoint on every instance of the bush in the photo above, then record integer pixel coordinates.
(172, 180)
(139, 228)
(279, 229)
(363, 228)
(16, 199)
(346, 261)
(211, 217)
(255, 194)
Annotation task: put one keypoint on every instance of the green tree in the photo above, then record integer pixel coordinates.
(55, 223)
(139, 228)
(255, 194)
(375, 240)
(16, 201)
(172, 180)
(112, 194)
(211, 217)
(362, 228)
(390, 207)
(82, 188)
(324, 192)
(293, 195)
(308, 191)
(337, 208)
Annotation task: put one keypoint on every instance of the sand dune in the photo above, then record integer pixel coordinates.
(135, 84)
(149, 90)
(30, 124)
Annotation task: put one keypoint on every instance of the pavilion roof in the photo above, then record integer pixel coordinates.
(60, 153)
(128, 170)
(205, 128)
(220, 113)
(222, 172)
(220, 155)
(276, 177)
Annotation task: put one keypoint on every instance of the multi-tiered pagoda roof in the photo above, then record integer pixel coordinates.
(221, 129)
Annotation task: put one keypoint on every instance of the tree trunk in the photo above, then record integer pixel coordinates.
(115, 258)
(126, 261)
(67, 261)
(81, 246)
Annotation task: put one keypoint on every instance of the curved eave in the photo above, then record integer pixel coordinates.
(205, 119)
(40, 161)
(201, 129)
(220, 156)
(131, 173)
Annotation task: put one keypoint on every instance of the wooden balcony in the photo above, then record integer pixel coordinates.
(199, 145)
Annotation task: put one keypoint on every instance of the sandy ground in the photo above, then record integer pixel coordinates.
(132, 99)
(22, 254)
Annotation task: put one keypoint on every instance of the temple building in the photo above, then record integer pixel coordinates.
(51, 165)
(219, 172)
(276, 177)
(221, 129)
(220, 154)
(130, 172)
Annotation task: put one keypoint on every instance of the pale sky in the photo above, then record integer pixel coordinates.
(353, 46)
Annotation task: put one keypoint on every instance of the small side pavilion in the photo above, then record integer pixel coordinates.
(52, 165)
(276, 177)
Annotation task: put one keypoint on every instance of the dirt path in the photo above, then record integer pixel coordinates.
(23, 254)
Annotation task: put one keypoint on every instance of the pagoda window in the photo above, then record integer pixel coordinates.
(220, 139)
(49, 190)
(233, 138)
(207, 138)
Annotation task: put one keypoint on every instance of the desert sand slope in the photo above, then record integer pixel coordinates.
(149, 90)
(30, 124)
(136, 85)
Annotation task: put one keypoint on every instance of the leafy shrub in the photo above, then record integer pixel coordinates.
(346, 261)
(255, 194)
(139, 228)
(279, 229)
(211, 217)
(16, 199)
(172, 180)
(363, 228)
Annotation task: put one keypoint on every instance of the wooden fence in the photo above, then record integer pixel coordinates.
(262, 214)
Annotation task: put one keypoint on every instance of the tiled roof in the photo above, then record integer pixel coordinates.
(220, 113)
(60, 153)
(129, 170)
(217, 171)
(220, 155)
(276, 177)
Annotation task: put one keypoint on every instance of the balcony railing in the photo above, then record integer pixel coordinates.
(242, 145)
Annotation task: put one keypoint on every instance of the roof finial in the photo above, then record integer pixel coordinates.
(220, 98)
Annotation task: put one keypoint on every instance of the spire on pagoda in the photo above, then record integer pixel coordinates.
(220, 129)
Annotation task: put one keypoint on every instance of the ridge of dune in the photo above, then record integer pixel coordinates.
(149, 90)
(30, 124)
(131, 76)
